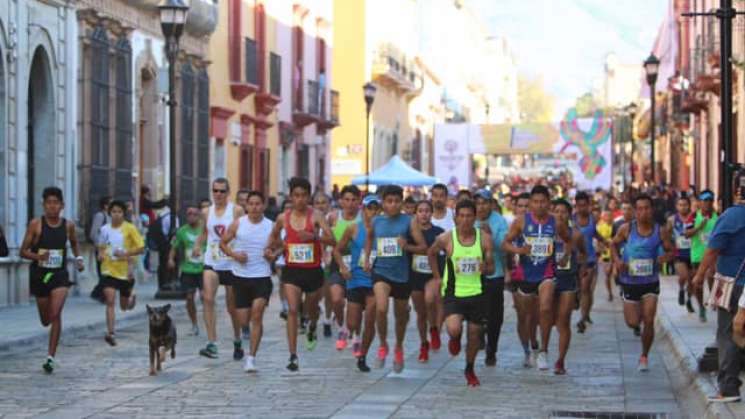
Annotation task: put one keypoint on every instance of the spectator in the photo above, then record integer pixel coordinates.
(271, 210)
(147, 206)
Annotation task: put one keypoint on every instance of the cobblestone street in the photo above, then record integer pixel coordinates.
(94, 380)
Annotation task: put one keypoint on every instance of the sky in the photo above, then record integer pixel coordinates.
(566, 41)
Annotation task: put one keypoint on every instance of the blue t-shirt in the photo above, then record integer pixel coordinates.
(640, 254)
(589, 230)
(728, 237)
(391, 261)
(360, 278)
(498, 226)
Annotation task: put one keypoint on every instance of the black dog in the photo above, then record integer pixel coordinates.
(162, 336)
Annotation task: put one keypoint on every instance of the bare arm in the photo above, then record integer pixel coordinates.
(579, 244)
(420, 246)
(226, 238)
(202, 238)
(621, 236)
(439, 245)
(326, 237)
(30, 239)
(709, 259)
(342, 245)
(487, 250)
(667, 244)
(368, 245)
(513, 233)
(275, 238)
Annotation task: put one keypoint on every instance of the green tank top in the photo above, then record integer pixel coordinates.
(701, 239)
(463, 270)
(341, 226)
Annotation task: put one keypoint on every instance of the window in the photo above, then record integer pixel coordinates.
(303, 161)
(275, 76)
(186, 191)
(246, 166)
(124, 145)
(264, 164)
(203, 136)
(99, 98)
(252, 62)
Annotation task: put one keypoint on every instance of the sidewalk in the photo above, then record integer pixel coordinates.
(688, 337)
(21, 323)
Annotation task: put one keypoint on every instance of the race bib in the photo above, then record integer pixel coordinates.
(641, 267)
(55, 261)
(300, 253)
(217, 253)
(389, 247)
(361, 260)
(347, 259)
(468, 266)
(682, 242)
(559, 256)
(541, 247)
(111, 251)
(420, 264)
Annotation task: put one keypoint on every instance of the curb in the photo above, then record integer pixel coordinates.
(698, 383)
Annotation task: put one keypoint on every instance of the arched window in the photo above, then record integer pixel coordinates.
(186, 193)
(100, 101)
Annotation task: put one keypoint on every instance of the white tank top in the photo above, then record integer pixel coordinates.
(252, 239)
(216, 226)
(446, 223)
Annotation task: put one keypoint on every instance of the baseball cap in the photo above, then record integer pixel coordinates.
(706, 196)
(370, 199)
(483, 193)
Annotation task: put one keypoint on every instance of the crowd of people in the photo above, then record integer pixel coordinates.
(450, 255)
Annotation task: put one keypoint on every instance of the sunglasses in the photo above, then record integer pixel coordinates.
(219, 191)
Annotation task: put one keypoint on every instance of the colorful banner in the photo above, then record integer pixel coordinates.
(453, 155)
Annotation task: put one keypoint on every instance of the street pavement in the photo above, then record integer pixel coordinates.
(95, 380)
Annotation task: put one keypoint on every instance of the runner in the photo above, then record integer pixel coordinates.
(678, 224)
(45, 244)
(627, 216)
(390, 272)
(605, 229)
(469, 257)
(349, 200)
(191, 268)
(322, 204)
(424, 291)
(247, 243)
(586, 223)
(495, 225)
(307, 231)
(280, 264)
(118, 241)
(567, 279)
(442, 216)
(359, 283)
(639, 268)
(217, 266)
(703, 225)
(538, 230)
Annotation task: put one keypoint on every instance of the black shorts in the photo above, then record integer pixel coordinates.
(566, 283)
(246, 290)
(124, 286)
(591, 265)
(307, 279)
(335, 278)
(359, 295)
(399, 290)
(473, 309)
(531, 288)
(225, 277)
(419, 280)
(685, 260)
(636, 292)
(190, 282)
(40, 289)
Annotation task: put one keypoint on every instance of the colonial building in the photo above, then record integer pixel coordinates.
(38, 55)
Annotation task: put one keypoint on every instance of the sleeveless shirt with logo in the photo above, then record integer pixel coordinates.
(539, 265)
(216, 226)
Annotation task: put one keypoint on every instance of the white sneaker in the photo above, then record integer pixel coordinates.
(248, 365)
(542, 361)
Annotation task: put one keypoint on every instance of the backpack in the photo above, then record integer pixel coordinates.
(155, 239)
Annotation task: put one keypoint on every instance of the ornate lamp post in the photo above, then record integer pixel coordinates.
(651, 67)
(369, 90)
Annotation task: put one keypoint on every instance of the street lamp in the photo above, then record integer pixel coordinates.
(651, 67)
(369, 89)
(631, 110)
(172, 19)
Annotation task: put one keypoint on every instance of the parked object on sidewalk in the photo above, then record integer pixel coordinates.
(162, 336)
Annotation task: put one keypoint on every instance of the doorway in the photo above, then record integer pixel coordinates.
(41, 127)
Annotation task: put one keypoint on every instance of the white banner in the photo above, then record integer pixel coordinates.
(452, 158)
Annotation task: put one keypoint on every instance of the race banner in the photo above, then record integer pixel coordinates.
(453, 155)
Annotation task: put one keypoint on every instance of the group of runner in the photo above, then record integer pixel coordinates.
(452, 259)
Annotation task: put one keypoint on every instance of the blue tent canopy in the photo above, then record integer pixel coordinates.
(396, 172)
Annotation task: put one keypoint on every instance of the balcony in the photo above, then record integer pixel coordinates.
(307, 112)
(391, 68)
(329, 112)
(250, 84)
(266, 101)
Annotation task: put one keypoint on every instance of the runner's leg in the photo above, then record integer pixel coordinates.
(230, 304)
(545, 303)
(417, 298)
(209, 291)
(257, 323)
(57, 299)
(563, 323)
(293, 295)
(42, 305)
(401, 313)
(191, 307)
(648, 311)
(368, 333)
(382, 293)
(109, 294)
(337, 303)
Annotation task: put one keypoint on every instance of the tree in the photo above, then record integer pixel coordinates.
(536, 104)
(586, 105)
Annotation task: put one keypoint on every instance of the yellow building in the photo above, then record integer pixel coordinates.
(245, 89)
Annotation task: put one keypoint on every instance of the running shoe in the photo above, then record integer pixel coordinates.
(303, 325)
(311, 340)
(424, 352)
(434, 338)
(542, 361)
(398, 360)
(194, 330)
(356, 348)
(559, 368)
(490, 360)
(689, 306)
(581, 326)
(341, 341)
(681, 297)
(246, 332)
(637, 331)
(237, 350)
(589, 320)
(283, 314)
(643, 364)
(110, 339)
(327, 330)
(382, 355)
(132, 302)
(454, 346)
(209, 351)
(720, 398)
(471, 379)
(249, 365)
(702, 314)
(49, 365)
(293, 365)
(362, 364)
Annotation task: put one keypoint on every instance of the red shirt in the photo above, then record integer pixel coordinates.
(301, 253)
